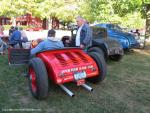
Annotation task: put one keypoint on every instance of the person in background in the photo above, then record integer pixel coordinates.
(50, 43)
(1, 30)
(137, 32)
(66, 41)
(11, 30)
(15, 38)
(23, 35)
(3, 45)
(84, 34)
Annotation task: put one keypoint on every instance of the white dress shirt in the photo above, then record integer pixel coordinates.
(78, 36)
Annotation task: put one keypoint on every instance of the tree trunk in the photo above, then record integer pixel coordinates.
(55, 23)
(50, 23)
(147, 31)
(13, 20)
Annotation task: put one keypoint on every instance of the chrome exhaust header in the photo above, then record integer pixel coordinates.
(66, 90)
(87, 87)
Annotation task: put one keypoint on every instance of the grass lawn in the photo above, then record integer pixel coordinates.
(126, 89)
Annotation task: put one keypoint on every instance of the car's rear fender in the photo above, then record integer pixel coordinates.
(63, 64)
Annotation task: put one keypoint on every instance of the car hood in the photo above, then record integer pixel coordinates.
(122, 34)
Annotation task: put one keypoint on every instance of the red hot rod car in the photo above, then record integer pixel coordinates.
(60, 66)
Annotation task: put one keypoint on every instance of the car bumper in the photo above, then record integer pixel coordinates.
(115, 51)
(135, 46)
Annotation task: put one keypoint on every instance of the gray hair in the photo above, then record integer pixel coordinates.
(83, 19)
(79, 17)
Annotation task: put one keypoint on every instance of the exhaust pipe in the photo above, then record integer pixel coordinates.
(87, 87)
(66, 90)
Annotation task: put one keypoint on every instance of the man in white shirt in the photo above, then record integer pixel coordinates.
(84, 34)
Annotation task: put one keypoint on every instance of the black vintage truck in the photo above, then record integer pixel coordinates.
(101, 43)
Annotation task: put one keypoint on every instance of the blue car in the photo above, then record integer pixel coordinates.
(127, 40)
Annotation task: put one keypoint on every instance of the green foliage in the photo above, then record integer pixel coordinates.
(95, 10)
(133, 20)
(125, 12)
(118, 11)
(123, 7)
(10, 8)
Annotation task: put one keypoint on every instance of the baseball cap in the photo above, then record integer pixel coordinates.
(52, 31)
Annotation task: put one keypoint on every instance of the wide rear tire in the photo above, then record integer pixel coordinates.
(38, 78)
(100, 61)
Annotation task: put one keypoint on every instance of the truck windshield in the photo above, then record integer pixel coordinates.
(113, 26)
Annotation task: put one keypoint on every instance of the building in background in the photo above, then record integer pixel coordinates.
(26, 19)
(29, 20)
(4, 20)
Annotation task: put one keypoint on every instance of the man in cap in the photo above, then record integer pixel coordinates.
(50, 43)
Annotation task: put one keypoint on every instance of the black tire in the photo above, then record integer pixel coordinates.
(38, 78)
(116, 57)
(96, 49)
(101, 63)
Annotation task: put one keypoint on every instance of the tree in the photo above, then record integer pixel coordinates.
(54, 10)
(147, 21)
(147, 31)
(109, 10)
(118, 11)
(14, 8)
(95, 10)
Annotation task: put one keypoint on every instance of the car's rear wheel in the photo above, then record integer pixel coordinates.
(116, 57)
(38, 78)
(100, 61)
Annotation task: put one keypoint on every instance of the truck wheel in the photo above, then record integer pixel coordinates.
(116, 57)
(96, 49)
(38, 79)
(100, 61)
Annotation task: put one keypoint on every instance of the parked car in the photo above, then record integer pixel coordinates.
(127, 40)
(109, 48)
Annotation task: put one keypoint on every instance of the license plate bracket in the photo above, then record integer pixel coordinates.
(80, 82)
(80, 75)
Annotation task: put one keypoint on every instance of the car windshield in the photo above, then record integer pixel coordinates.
(99, 32)
(113, 26)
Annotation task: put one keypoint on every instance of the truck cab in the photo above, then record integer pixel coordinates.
(110, 48)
